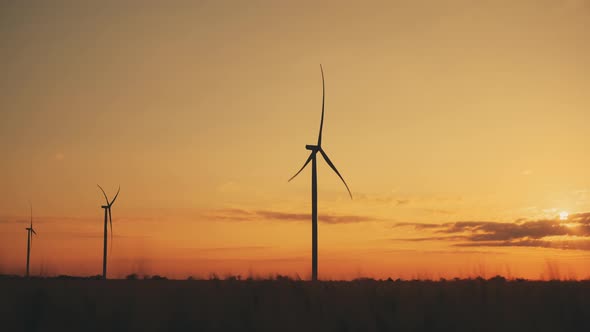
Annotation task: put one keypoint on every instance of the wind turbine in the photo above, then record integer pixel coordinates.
(314, 186)
(107, 215)
(30, 232)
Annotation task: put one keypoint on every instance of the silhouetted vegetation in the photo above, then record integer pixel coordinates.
(66, 277)
(157, 277)
(283, 304)
(132, 276)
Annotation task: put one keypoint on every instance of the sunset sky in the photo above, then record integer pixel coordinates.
(460, 126)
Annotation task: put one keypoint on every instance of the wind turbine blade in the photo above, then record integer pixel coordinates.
(105, 195)
(335, 170)
(323, 100)
(32, 230)
(307, 162)
(31, 205)
(114, 199)
(111, 223)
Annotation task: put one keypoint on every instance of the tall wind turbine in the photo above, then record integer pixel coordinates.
(30, 232)
(314, 186)
(107, 216)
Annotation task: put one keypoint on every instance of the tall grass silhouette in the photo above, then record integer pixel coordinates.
(290, 305)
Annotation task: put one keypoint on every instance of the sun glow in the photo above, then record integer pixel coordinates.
(563, 215)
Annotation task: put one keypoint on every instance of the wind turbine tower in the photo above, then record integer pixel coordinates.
(30, 233)
(107, 217)
(314, 186)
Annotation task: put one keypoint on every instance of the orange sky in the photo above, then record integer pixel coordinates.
(436, 113)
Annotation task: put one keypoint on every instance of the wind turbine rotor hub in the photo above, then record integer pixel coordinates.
(312, 147)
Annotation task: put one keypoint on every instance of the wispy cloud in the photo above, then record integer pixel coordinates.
(573, 233)
(578, 244)
(442, 252)
(267, 215)
(435, 238)
(417, 225)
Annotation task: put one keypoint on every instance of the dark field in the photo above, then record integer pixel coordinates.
(286, 305)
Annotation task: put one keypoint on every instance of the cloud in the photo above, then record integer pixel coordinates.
(417, 225)
(573, 233)
(434, 238)
(579, 244)
(443, 252)
(231, 215)
(267, 215)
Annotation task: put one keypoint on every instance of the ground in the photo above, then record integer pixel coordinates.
(288, 305)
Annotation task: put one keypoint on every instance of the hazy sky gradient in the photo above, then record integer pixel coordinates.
(436, 112)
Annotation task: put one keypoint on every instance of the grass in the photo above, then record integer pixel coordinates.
(287, 305)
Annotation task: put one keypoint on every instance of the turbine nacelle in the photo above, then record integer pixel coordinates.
(312, 147)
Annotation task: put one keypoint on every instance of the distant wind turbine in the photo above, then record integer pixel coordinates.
(30, 232)
(107, 215)
(314, 186)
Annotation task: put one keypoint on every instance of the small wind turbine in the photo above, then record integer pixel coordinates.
(107, 215)
(30, 232)
(314, 186)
